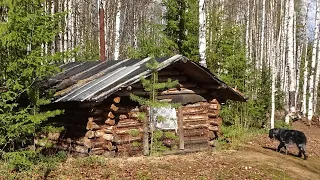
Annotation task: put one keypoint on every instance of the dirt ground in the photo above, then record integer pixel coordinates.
(254, 159)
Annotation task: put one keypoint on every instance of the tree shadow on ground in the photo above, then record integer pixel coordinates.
(282, 152)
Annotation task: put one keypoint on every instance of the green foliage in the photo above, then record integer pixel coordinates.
(158, 137)
(23, 66)
(183, 26)
(26, 163)
(134, 132)
(282, 124)
(154, 44)
(152, 86)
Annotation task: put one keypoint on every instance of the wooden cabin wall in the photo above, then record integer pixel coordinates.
(113, 125)
(110, 126)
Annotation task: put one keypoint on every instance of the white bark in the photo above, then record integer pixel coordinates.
(317, 56)
(52, 13)
(305, 82)
(202, 33)
(273, 69)
(248, 31)
(291, 61)
(313, 65)
(65, 33)
(117, 32)
(305, 73)
(262, 41)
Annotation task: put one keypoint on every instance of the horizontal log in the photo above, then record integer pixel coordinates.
(200, 126)
(123, 116)
(214, 107)
(199, 104)
(128, 140)
(213, 128)
(195, 132)
(129, 124)
(186, 91)
(195, 117)
(213, 114)
(194, 110)
(193, 123)
(128, 130)
(196, 139)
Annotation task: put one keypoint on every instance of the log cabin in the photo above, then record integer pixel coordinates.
(100, 118)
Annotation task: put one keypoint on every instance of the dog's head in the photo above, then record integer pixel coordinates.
(273, 132)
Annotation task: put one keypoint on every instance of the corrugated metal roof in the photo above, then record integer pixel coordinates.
(95, 81)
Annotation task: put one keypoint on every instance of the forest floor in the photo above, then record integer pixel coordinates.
(251, 157)
(255, 158)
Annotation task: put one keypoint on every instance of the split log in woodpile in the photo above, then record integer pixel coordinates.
(214, 120)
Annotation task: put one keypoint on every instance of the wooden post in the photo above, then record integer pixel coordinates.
(180, 128)
(146, 137)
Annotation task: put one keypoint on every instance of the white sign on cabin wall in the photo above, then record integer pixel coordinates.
(168, 120)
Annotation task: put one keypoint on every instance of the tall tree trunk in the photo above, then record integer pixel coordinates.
(202, 33)
(313, 65)
(305, 53)
(117, 32)
(274, 45)
(317, 60)
(292, 71)
(262, 41)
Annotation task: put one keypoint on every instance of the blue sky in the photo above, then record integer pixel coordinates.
(311, 18)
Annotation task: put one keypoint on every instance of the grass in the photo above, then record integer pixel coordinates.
(236, 135)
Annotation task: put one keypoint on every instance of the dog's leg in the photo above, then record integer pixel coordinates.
(301, 148)
(280, 146)
(286, 150)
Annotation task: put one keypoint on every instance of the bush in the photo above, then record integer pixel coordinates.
(19, 163)
(282, 124)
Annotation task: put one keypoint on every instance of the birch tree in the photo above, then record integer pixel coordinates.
(117, 32)
(313, 64)
(306, 62)
(291, 61)
(202, 33)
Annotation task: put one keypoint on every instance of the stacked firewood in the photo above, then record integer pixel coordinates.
(129, 133)
(214, 120)
(195, 125)
(100, 135)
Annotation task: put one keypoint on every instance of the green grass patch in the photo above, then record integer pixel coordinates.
(234, 135)
(29, 164)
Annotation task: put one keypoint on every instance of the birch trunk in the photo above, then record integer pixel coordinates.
(273, 69)
(117, 32)
(305, 73)
(313, 65)
(290, 57)
(262, 41)
(317, 56)
(202, 33)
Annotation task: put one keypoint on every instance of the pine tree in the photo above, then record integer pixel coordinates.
(23, 65)
(152, 86)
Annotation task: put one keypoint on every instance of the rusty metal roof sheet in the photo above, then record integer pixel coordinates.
(95, 81)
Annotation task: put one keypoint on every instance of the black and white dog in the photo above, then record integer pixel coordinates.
(287, 137)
